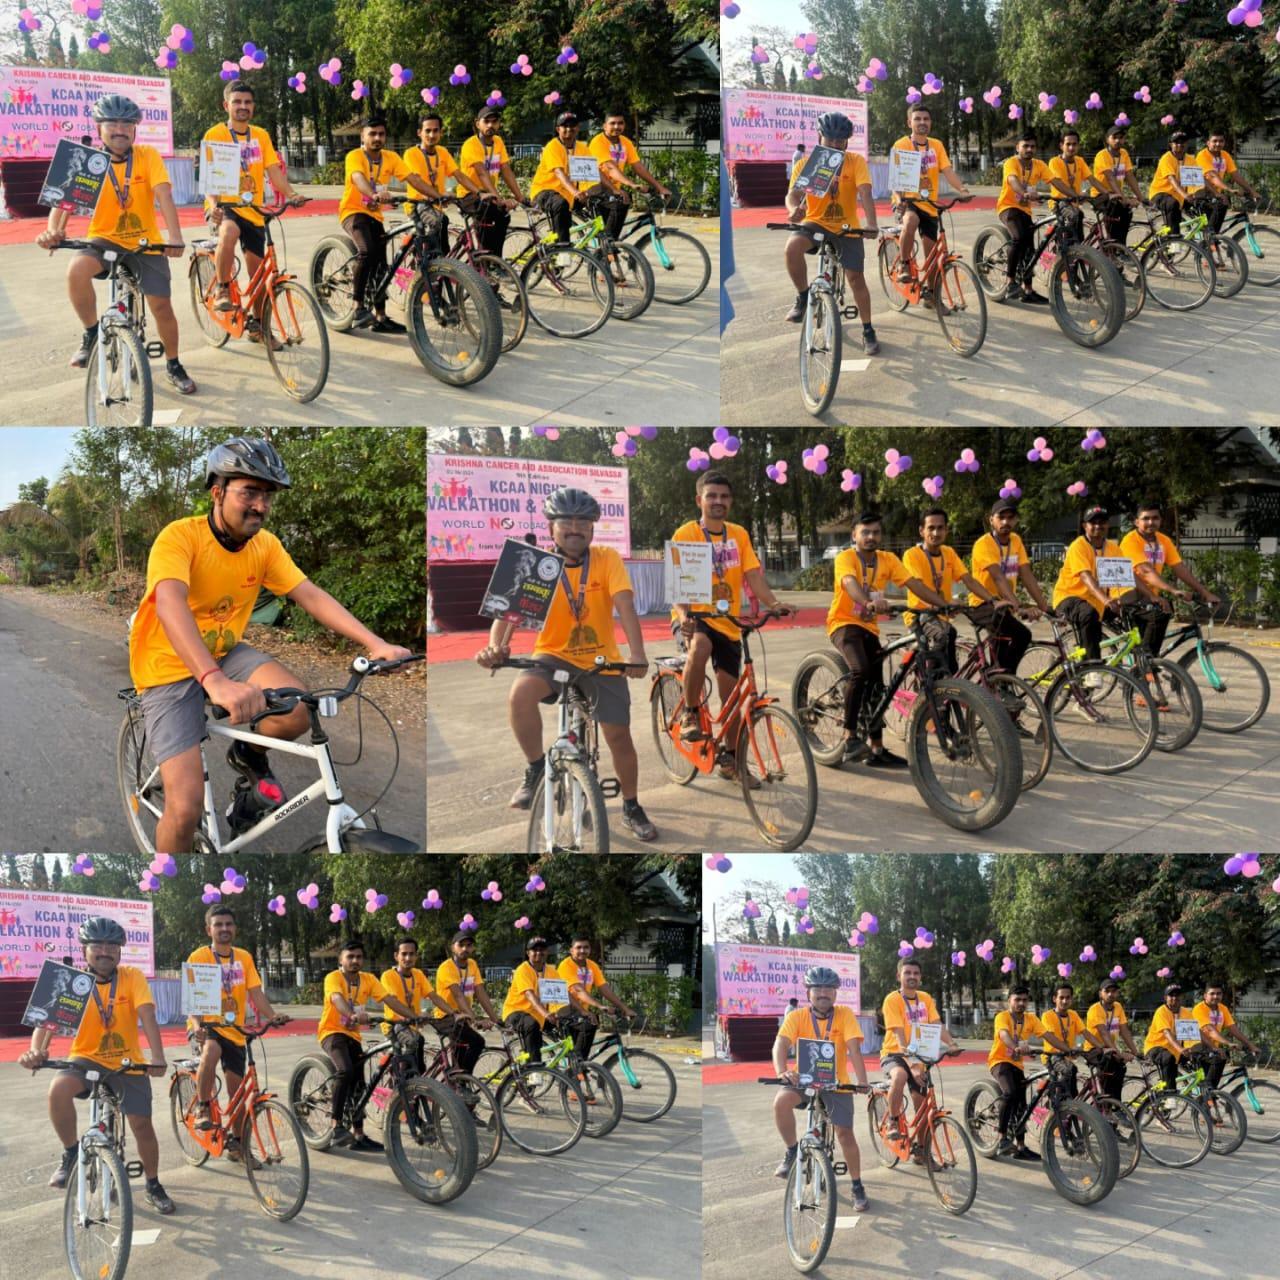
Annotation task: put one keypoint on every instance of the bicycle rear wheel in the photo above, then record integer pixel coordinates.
(951, 1165)
(603, 1098)
(297, 341)
(274, 1152)
(124, 396)
(961, 308)
(680, 264)
(982, 1117)
(98, 1240)
(1030, 723)
(1262, 246)
(991, 259)
(182, 1097)
(1176, 1132)
(1234, 687)
(311, 1100)
(1120, 1118)
(1129, 268)
(1080, 1154)
(509, 294)
(454, 325)
(331, 277)
(821, 338)
(200, 279)
(480, 1102)
(579, 822)
(1179, 275)
(1230, 1125)
(542, 1110)
(570, 293)
(632, 279)
(647, 1084)
(877, 1115)
(817, 698)
(664, 702)
(779, 782)
(1260, 1100)
(1107, 728)
(430, 1141)
(1231, 265)
(886, 256)
(138, 777)
(809, 1209)
(1086, 296)
(1178, 704)
(1040, 666)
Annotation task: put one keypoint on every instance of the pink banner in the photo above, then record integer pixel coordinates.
(766, 126)
(35, 927)
(41, 105)
(475, 503)
(753, 979)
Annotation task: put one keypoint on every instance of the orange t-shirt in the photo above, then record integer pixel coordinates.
(897, 1011)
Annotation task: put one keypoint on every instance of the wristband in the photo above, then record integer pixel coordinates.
(200, 681)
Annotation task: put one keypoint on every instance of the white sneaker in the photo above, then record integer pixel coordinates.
(1092, 680)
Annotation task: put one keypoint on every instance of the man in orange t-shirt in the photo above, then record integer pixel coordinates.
(903, 1011)
(1077, 595)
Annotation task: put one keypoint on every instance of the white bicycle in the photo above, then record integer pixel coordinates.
(346, 830)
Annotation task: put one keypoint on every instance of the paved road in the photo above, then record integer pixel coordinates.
(1218, 794)
(1216, 1220)
(666, 361)
(1213, 365)
(58, 789)
(590, 1213)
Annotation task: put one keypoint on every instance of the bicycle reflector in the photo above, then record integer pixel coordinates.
(327, 706)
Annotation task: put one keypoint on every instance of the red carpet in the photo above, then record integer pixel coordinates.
(750, 1072)
(462, 646)
(757, 217)
(25, 230)
(12, 1047)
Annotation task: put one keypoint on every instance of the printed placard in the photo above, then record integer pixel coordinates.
(904, 171)
(522, 584)
(59, 998)
(820, 172)
(219, 169)
(688, 572)
(1190, 176)
(1186, 1029)
(202, 990)
(926, 1041)
(816, 1063)
(75, 178)
(553, 991)
(1115, 571)
(584, 169)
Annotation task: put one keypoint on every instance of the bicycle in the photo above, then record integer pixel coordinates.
(680, 264)
(295, 330)
(1115, 1113)
(255, 1128)
(809, 1201)
(429, 1137)
(542, 1110)
(1077, 1146)
(1085, 291)
(465, 246)
(1230, 1127)
(942, 283)
(452, 317)
(821, 335)
(570, 291)
(1259, 1098)
(1180, 275)
(633, 283)
(1262, 241)
(475, 1094)
(1101, 717)
(932, 1135)
(142, 790)
(1234, 687)
(1175, 1130)
(1230, 262)
(962, 749)
(118, 388)
(601, 1091)
(1125, 261)
(647, 1084)
(97, 1213)
(770, 753)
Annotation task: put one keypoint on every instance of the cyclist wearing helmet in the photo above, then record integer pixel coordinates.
(123, 217)
(108, 1034)
(484, 157)
(833, 214)
(821, 1019)
(904, 1010)
(552, 190)
(579, 625)
(203, 578)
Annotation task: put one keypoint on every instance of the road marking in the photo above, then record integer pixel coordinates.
(847, 1224)
(855, 366)
(151, 1236)
(166, 418)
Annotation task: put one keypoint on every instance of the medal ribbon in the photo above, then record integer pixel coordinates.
(576, 605)
(108, 1014)
(122, 193)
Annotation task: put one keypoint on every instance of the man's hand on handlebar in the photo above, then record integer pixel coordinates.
(50, 239)
(383, 652)
(33, 1058)
(241, 701)
(637, 667)
(780, 610)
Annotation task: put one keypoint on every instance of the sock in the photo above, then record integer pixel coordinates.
(71, 1150)
(867, 327)
(152, 1183)
(793, 1148)
(91, 331)
(172, 364)
(857, 1184)
(630, 806)
(539, 763)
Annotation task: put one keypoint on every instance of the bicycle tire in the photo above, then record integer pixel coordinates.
(1217, 716)
(516, 1092)
(448, 1121)
(956, 299)
(668, 287)
(1102, 287)
(1156, 1110)
(948, 1142)
(1233, 273)
(593, 835)
(1268, 1098)
(1088, 1130)
(93, 1268)
(330, 277)
(1069, 686)
(291, 334)
(469, 312)
(877, 1114)
(508, 292)
(634, 295)
(807, 1244)
(981, 1117)
(1178, 727)
(601, 1122)
(821, 335)
(117, 345)
(130, 769)
(200, 278)
(664, 698)
(1129, 268)
(992, 742)
(819, 717)
(1030, 723)
(991, 259)
(1158, 254)
(1268, 241)
(641, 1105)
(1230, 1125)
(543, 281)
(364, 840)
(263, 1146)
(885, 255)
(761, 761)
(1037, 667)
(311, 1100)
(1120, 1118)
(478, 1098)
(182, 1094)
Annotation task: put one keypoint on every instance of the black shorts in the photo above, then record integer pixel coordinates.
(233, 1055)
(253, 238)
(726, 654)
(928, 221)
(891, 1060)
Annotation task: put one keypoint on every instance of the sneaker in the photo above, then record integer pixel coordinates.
(68, 1162)
(1012, 293)
(233, 1152)
(340, 1136)
(1092, 680)
(860, 1202)
(1006, 1148)
(796, 314)
(362, 319)
(222, 300)
(729, 772)
(854, 750)
(384, 324)
(182, 380)
(254, 768)
(253, 331)
(88, 340)
(158, 1198)
(637, 822)
(884, 759)
(784, 1169)
(1023, 1153)
(522, 797)
(691, 726)
(1035, 298)
(361, 1142)
(870, 346)
(926, 299)
(204, 1117)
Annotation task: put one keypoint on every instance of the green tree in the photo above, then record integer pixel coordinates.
(35, 492)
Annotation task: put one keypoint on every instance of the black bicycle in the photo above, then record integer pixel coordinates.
(681, 265)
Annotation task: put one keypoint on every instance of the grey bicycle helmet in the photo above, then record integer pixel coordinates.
(821, 976)
(571, 504)
(115, 106)
(242, 456)
(835, 124)
(101, 929)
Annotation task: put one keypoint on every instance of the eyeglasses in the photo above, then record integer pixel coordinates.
(252, 493)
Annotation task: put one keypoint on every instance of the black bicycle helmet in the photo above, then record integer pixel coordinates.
(101, 929)
(115, 106)
(571, 504)
(821, 976)
(835, 124)
(244, 457)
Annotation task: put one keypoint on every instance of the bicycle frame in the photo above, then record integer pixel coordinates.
(648, 219)
(106, 1129)
(239, 1106)
(254, 294)
(576, 739)
(1202, 634)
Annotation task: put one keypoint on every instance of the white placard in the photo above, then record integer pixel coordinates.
(926, 1041)
(202, 990)
(584, 169)
(1186, 1029)
(1190, 176)
(1115, 571)
(553, 991)
(688, 572)
(904, 171)
(219, 169)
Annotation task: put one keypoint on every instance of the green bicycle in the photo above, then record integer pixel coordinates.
(1233, 684)
(1179, 275)
(570, 291)
(633, 282)
(599, 1088)
(1230, 1127)
(1230, 263)
(1175, 1130)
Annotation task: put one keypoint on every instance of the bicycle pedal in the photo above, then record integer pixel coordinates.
(610, 788)
(839, 1168)
(850, 313)
(154, 350)
(133, 1169)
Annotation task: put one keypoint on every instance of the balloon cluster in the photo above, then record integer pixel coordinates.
(208, 897)
(28, 22)
(1122, 120)
(552, 98)
(1117, 973)
(162, 864)
(932, 485)
(985, 949)
(430, 95)
(310, 896)
(1248, 12)
(1243, 864)
(699, 460)
(804, 925)
(867, 926)
(1093, 439)
(729, 8)
(751, 911)
(1040, 954)
(1166, 120)
(230, 70)
(277, 904)
(298, 82)
(897, 463)
(759, 54)
(1040, 451)
(100, 41)
(1142, 95)
(433, 901)
(876, 70)
(91, 9)
(992, 97)
(337, 913)
(967, 461)
(83, 865)
(535, 884)
(1064, 969)
(522, 66)
(726, 443)
(400, 76)
(1088, 955)
(1176, 940)
(1071, 116)
(1179, 87)
(359, 90)
(251, 57)
(232, 880)
(1094, 102)
(495, 99)
(797, 897)
(958, 959)
(1015, 111)
(924, 938)
(850, 480)
(718, 862)
(1138, 947)
(815, 459)
(179, 40)
(567, 56)
(777, 472)
(905, 950)
(1078, 489)
(913, 95)
(547, 433)
(491, 892)
(813, 71)
(966, 105)
(806, 42)
(1010, 489)
(931, 83)
(468, 924)
(1163, 972)
(460, 75)
(331, 72)
(374, 901)
(405, 919)
(522, 923)
(1007, 965)
(1047, 101)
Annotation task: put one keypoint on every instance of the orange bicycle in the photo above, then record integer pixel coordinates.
(772, 757)
(273, 309)
(931, 1137)
(255, 1128)
(942, 282)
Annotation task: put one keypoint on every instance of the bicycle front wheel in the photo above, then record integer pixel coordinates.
(1234, 687)
(1179, 707)
(1230, 1125)
(311, 1089)
(454, 325)
(809, 1210)
(570, 293)
(1179, 275)
(331, 276)
(778, 778)
(961, 308)
(182, 1097)
(430, 1141)
(97, 1231)
(509, 294)
(1086, 296)
(951, 1165)
(138, 777)
(632, 279)
(1080, 1154)
(991, 259)
(982, 1117)
(603, 1098)
(1176, 1132)
(542, 1110)
(200, 279)
(664, 704)
(886, 256)
(1129, 268)
(1030, 723)
(1262, 245)
(297, 341)
(578, 822)
(1230, 264)
(820, 340)
(1260, 1100)
(1120, 1118)
(680, 264)
(480, 1102)
(117, 386)
(817, 698)
(647, 1084)
(1101, 718)
(274, 1152)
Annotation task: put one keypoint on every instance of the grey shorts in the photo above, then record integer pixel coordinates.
(839, 1106)
(134, 1092)
(151, 269)
(850, 248)
(610, 696)
(174, 713)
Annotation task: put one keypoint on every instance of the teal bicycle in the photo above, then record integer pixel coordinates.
(681, 264)
(1259, 1099)
(648, 1085)
(1234, 687)
(1260, 241)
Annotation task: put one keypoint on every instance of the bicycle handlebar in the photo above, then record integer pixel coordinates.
(530, 664)
(846, 230)
(127, 1069)
(144, 246)
(267, 211)
(835, 1088)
